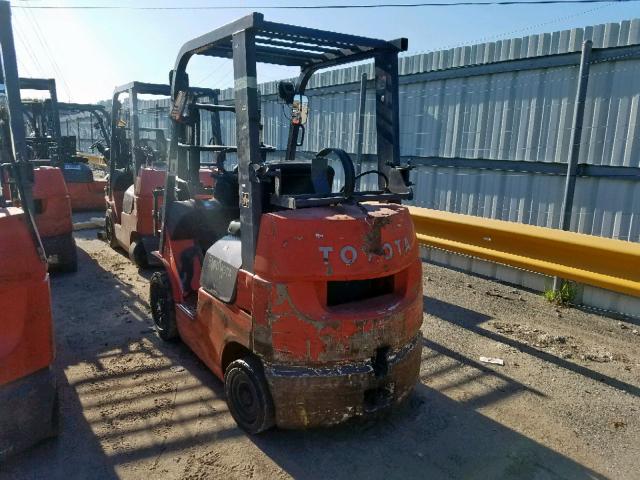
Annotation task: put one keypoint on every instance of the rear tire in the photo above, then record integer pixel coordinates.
(138, 254)
(163, 310)
(248, 395)
(56, 416)
(71, 266)
(67, 255)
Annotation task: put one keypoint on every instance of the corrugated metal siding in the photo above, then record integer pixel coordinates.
(602, 206)
(82, 128)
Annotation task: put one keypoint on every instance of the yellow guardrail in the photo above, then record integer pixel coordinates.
(597, 261)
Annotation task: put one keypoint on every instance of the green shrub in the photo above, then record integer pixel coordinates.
(565, 295)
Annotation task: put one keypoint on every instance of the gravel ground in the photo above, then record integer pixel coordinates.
(565, 404)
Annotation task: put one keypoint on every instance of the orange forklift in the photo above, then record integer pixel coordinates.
(300, 291)
(52, 205)
(137, 169)
(28, 393)
(48, 146)
(86, 191)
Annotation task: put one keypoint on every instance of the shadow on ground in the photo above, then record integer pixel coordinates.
(133, 405)
(472, 321)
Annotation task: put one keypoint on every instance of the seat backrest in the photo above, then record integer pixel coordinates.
(226, 189)
(122, 179)
(299, 178)
(204, 221)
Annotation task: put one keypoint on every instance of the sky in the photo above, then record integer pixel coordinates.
(89, 52)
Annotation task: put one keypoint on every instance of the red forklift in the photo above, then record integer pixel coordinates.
(28, 393)
(298, 290)
(137, 169)
(48, 146)
(52, 205)
(86, 191)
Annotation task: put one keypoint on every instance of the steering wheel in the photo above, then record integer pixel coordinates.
(319, 165)
(149, 153)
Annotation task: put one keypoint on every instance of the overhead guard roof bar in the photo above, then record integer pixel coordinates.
(48, 84)
(215, 108)
(85, 107)
(291, 45)
(37, 83)
(209, 148)
(145, 88)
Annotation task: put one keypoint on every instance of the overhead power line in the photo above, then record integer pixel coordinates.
(318, 7)
(41, 37)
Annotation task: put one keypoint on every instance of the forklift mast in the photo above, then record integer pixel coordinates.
(20, 171)
(251, 40)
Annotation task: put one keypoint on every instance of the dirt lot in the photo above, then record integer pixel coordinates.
(566, 404)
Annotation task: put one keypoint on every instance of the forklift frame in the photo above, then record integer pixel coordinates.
(133, 89)
(49, 85)
(301, 336)
(28, 390)
(251, 40)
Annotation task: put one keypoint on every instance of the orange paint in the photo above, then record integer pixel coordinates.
(138, 222)
(87, 196)
(26, 334)
(53, 205)
(282, 311)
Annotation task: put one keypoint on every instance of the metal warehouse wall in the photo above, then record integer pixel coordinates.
(514, 116)
(517, 116)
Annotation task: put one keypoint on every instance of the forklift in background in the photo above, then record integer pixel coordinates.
(137, 169)
(51, 202)
(89, 193)
(48, 146)
(28, 392)
(301, 292)
(99, 114)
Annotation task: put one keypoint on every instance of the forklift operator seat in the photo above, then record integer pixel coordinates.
(203, 221)
(206, 221)
(300, 178)
(122, 179)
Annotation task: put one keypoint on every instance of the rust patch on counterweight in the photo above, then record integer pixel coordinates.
(372, 241)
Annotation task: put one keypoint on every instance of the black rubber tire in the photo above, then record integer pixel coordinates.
(138, 254)
(71, 264)
(64, 247)
(248, 395)
(69, 261)
(163, 309)
(56, 417)
(109, 232)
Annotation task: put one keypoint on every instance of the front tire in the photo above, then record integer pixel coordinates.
(163, 310)
(248, 395)
(138, 254)
(109, 232)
